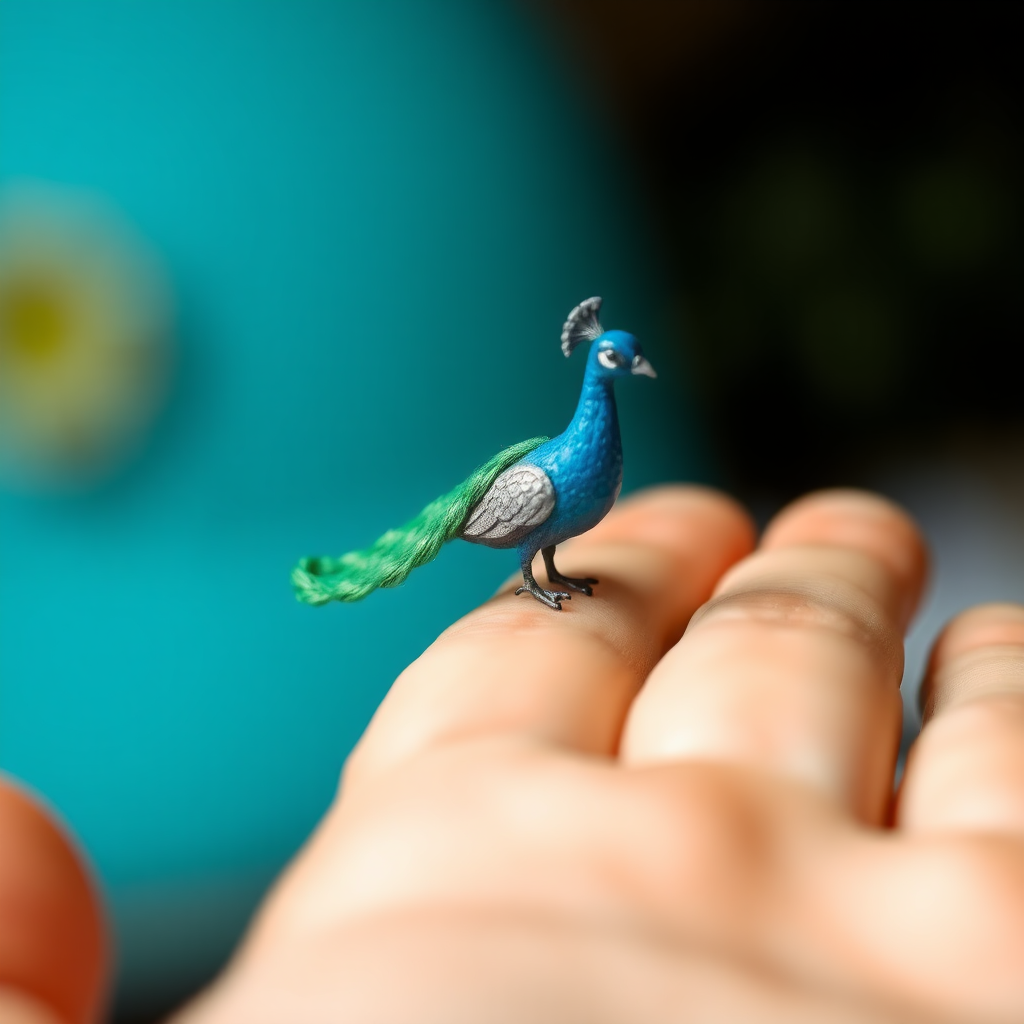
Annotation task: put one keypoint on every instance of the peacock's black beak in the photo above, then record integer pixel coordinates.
(640, 365)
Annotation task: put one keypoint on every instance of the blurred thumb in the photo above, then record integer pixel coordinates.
(53, 941)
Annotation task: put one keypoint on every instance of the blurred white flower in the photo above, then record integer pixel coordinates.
(83, 337)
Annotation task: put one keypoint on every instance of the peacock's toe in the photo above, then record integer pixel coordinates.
(551, 598)
(583, 584)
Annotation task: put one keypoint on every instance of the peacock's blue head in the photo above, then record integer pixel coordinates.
(618, 354)
(613, 353)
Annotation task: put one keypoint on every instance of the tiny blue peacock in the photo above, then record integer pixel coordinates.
(531, 496)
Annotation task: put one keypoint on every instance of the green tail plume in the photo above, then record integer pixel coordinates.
(390, 559)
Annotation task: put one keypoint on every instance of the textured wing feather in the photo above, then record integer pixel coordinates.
(519, 499)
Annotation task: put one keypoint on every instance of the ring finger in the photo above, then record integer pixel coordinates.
(794, 666)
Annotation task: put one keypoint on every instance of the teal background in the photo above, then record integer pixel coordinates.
(374, 217)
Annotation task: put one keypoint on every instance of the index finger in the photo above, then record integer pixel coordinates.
(516, 668)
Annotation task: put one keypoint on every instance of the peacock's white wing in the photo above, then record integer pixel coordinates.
(520, 499)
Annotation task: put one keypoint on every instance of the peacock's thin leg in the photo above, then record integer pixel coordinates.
(582, 585)
(552, 598)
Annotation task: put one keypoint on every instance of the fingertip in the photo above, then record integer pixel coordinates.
(861, 520)
(982, 632)
(53, 943)
(985, 625)
(669, 513)
(684, 496)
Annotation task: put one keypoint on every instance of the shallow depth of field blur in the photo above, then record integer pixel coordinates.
(275, 274)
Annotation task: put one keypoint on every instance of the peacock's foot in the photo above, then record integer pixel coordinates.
(552, 598)
(583, 585)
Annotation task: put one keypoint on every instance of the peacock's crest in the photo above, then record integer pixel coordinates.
(582, 324)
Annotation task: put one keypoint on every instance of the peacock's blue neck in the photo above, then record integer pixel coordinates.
(596, 415)
(584, 465)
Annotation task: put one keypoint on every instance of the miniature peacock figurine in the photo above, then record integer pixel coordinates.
(531, 496)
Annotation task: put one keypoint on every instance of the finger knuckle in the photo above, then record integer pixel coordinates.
(830, 609)
(984, 718)
(707, 844)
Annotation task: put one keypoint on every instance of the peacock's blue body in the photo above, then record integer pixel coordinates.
(530, 497)
(584, 464)
(567, 485)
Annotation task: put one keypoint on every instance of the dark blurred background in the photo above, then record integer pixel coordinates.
(837, 191)
(273, 275)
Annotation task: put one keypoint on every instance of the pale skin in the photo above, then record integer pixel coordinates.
(581, 818)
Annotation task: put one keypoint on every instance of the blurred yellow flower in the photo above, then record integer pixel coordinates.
(83, 336)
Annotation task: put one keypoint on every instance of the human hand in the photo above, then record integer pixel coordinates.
(571, 818)
(576, 818)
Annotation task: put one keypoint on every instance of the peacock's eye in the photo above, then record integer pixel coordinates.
(610, 359)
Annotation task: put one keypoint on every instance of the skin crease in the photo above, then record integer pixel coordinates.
(581, 817)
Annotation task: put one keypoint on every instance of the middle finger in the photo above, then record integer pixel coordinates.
(515, 669)
(794, 666)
